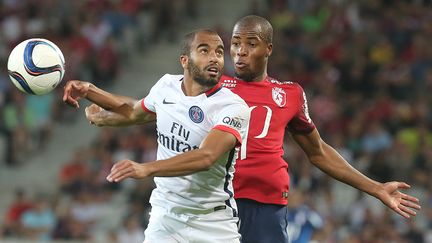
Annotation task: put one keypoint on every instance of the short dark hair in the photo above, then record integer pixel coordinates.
(251, 21)
(189, 37)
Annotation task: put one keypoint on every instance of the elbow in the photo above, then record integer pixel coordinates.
(125, 110)
(207, 160)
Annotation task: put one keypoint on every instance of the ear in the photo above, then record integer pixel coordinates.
(269, 49)
(184, 61)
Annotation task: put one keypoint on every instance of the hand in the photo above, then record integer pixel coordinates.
(92, 113)
(399, 202)
(127, 168)
(74, 90)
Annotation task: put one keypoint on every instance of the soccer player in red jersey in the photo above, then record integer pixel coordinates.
(261, 180)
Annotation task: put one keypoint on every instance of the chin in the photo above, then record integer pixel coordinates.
(213, 81)
(244, 76)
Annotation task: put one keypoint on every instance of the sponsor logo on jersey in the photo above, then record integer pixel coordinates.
(166, 102)
(229, 83)
(171, 142)
(196, 114)
(235, 122)
(279, 96)
(274, 81)
(176, 139)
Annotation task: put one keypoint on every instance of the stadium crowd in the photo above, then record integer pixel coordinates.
(94, 36)
(366, 68)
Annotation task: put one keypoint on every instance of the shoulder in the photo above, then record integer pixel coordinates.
(170, 78)
(227, 97)
(167, 80)
(288, 86)
(284, 84)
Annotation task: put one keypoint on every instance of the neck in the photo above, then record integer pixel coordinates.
(257, 78)
(191, 88)
(260, 77)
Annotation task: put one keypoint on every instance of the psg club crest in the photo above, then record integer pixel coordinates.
(279, 96)
(196, 114)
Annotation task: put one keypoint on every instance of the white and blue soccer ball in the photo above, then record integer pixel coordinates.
(36, 66)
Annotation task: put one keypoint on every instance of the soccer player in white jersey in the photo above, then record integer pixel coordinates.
(199, 126)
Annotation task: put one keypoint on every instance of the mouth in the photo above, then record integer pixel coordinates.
(213, 70)
(240, 65)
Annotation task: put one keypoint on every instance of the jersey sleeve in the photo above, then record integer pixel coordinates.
(301, 122)
(235, 120)
(148, 104)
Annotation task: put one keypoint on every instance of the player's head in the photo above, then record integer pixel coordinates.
(251, 45)
(202, 57)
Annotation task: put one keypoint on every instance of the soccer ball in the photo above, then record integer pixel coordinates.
(36, 66)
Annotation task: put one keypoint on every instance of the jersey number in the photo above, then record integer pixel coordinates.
(261, 135)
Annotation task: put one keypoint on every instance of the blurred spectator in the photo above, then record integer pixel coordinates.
(18, 121)
(12, 221)
(131, 231)
(42, 108)
(39, 221)
(75, 174)
(85, 210)
(303, 221)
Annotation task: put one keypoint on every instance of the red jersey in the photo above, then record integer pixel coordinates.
(261, 172)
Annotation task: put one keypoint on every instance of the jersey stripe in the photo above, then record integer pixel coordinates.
(145, 108)
(214, 90)
(230, 130)
(228, 180)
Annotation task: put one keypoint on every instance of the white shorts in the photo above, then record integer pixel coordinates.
(215, 227)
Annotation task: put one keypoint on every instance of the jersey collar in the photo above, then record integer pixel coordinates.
(213, 90)
(259, 83)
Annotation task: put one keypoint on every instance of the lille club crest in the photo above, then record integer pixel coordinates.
(279, 96)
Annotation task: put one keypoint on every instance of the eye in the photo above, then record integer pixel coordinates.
(203, 51)
(252, 44)
(220, 52)
(235, 44)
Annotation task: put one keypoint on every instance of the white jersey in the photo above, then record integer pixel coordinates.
(182, 124)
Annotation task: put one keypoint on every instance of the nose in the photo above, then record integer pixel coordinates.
(241, 51)
(213, 57)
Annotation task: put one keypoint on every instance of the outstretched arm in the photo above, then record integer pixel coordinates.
(332, 163)
(108, 109)
(215, 145)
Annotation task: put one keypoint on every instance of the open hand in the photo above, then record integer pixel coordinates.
(401, 203)
(74, 90)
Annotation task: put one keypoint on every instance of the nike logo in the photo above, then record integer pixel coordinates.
(167, 102)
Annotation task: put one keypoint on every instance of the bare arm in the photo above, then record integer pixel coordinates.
(100, 117)
(332, 163)
(108, 109)
(216, 144)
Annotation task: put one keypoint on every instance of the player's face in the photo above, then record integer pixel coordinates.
(206, 60)
(249, 52)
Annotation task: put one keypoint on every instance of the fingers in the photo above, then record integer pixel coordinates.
(407, 205)
(410, 202)
(72, 102)
(403, 185)
(406, 211)
(410, 198)
(74, 88)
(402, 212)
(120, 171)
(410, 205)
